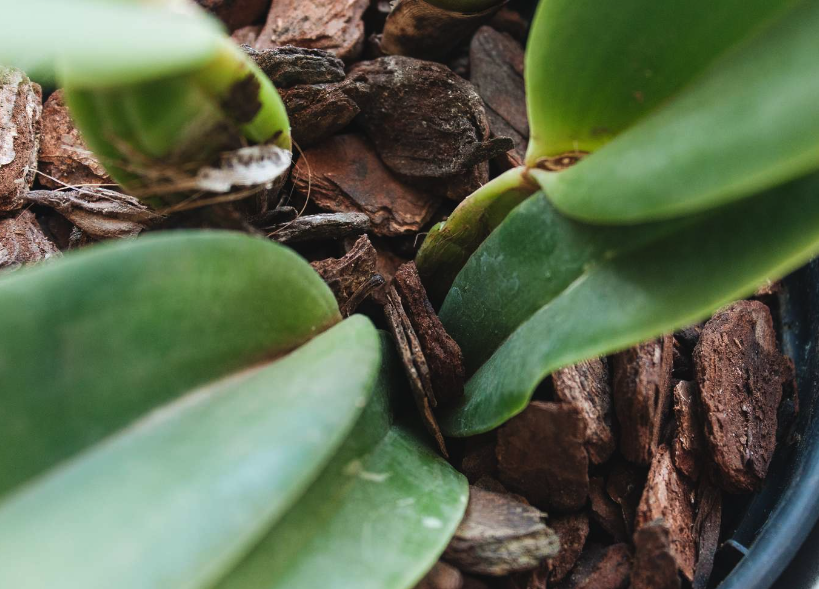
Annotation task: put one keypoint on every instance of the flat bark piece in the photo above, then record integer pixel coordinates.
(409, 350)
(418, 29)
(20, 110)
(22, 241)
(236, 13)
(443, 355)
(333, 25)
(741, 374)
(424, 120)
(605, 511)
(64, 158)
(706, 530)
(99, 212)
(317, 111)
(601, 568)
(344, 174)
(586, 385)
(321, 227)
(290, 65)
(496, 71)
(642, 396)
(541, 454)
(654, 565)
(346, 276)
(625, 485)
(442, 576)
(572, 530)
(499, 536)
(668, 496)
(688, 444)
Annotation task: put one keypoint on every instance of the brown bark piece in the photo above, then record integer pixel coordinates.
(236, 13)
(571, 530)
(654, 566)
(22, 241)
(586, 385)
(64, 158)
(320, 227)
(246, 35)
(605, 511)
(347, 276)
(625, 486)
(642, 396)
(668, 496)
(345, 174)
(20, 111)
(499, 536)
(479, 460)
(289, 65)
(541, 455)
(334, 25)
(688, 439)
(496, 71)
(741, 374)
(601, 568)
(512, 23)
(442, 576)
(99, 212)
(425, 122)
(443, 355)
(318, 111)
(706, 530)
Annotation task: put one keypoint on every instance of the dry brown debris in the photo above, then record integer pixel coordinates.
(625, 486)
(605, 511)
(289, 65)
(344, 174)
(654, 566)
(351, 277)
(20, 111)
(741, 374)
(500, 535)
(571, 530)
(236, 13)
(442, 576)
(22, 241)
(688, 441)
(541, 454)
(642, 396)
(318, 111)
(601, 568)
(479, 459)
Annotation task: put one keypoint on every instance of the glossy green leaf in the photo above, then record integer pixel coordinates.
(751, 122)
(105, 42)
(377, 518)
(593, 69)
(95, 340)
(449, 244)
(176, 499)
(619, 298)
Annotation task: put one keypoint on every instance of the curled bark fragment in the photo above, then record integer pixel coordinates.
(321, 227)
(586, 385)
(334, 25)
(601, 568)
(442, 354)
(318, 111)
(20, 111)
(571, 530)
(64, 158)
(345, 174)
(541, 455)
(642, 396)
(419, 29)
(500, 535)
(99, 212)
(22, 241)
(688, 439)
(654, 566)
(347, 276)
(668, 496)
(289, 65)
(706, 530)
(741, 375)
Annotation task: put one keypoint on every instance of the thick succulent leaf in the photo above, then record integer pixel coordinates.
(750, 123)
(593, 69)
(377, 518)
(95, 340)
(179, 497)
(619, 298)
(104, 42)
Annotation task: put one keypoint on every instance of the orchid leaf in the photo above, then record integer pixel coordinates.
(618, 297)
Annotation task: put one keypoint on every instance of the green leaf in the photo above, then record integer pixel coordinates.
(95, 340)
(749, 123)
(377, 518)
(620, 297)
(176, 499)
(104, 42)
(593, 69)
